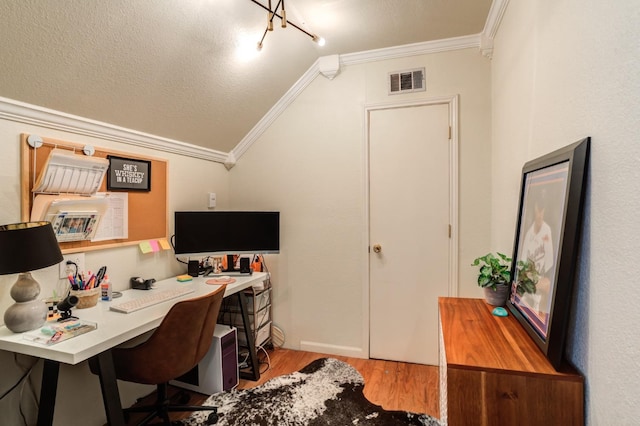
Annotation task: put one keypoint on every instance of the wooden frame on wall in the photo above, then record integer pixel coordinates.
(147, 209)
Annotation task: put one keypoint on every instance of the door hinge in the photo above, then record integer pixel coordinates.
(450, 132)
(449, 231)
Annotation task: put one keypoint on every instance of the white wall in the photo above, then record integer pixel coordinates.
(189, 182)
(310, 165)
(563, 70)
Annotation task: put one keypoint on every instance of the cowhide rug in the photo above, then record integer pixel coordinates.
(325, 392)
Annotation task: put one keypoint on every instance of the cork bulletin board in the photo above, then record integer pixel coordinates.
(147, 209)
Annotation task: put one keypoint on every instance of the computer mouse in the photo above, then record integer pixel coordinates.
(500, 312)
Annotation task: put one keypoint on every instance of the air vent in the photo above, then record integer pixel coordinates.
(407, 81)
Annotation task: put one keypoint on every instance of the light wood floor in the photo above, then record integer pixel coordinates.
(393, 385)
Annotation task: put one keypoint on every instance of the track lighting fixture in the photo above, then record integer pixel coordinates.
(273, 13)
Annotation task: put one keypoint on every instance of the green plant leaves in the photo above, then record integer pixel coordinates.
(494, 270)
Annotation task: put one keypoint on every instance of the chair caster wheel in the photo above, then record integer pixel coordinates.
(212, 419)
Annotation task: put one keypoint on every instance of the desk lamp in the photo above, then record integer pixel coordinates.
(25, 247)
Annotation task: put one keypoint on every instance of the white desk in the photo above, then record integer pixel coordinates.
(113, 329)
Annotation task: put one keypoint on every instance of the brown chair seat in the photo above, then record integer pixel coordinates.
(174, 348)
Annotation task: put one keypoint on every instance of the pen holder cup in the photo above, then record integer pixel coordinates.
(86, 298)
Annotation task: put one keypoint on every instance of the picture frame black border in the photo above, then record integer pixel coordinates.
(124, 187)
(577, 154)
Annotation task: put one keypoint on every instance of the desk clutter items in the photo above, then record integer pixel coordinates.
(107, 217)
(76, 215)
(86, 287)
(106, 292)
(221, 280)
(184, 278)
(63, 308)
(138, 283)
(87, 298)
(68, 172)
(55, 331)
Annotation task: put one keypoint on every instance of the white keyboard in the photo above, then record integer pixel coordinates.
(153, 298)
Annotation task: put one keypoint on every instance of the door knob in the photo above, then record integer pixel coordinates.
(377, 248)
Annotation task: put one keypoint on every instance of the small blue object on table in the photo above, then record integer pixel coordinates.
(500, 312)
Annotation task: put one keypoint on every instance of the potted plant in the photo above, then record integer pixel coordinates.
(494, 277)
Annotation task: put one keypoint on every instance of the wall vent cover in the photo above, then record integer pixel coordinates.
(407, 81)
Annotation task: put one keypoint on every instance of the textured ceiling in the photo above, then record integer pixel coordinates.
(176, 69)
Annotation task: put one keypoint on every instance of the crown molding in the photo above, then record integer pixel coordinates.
(347, 59)
(21, 112)
(491, 26)
(498, 7)
(413, 49)
(272, 114)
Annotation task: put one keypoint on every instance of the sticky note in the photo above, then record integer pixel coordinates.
(164, 244)
(145, 247)
(154, 246)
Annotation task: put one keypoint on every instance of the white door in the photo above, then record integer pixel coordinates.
(409, 210)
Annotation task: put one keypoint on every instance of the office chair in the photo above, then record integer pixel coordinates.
(175, 347)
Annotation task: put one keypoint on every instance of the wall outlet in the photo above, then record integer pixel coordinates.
(77, 258)
(212, 200)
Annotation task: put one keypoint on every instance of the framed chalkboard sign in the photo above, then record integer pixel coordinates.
(128, 174)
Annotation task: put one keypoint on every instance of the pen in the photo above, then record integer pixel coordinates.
(74, 286)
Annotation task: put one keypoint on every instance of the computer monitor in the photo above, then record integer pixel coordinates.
(224, 232)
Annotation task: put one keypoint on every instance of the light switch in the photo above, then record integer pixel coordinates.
(212, 200)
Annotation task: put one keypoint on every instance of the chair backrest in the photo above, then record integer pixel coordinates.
(176, 346)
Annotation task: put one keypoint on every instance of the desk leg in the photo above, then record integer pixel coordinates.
(48, 390)
(253, 356)
(109, 386)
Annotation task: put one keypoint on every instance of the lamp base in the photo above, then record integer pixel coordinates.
(28, 312)
(25, 316)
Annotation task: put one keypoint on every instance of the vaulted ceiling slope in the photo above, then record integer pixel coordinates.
(188, 70)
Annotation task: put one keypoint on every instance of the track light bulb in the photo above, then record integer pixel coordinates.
(284, 19)
(321, 41)
(270, 22)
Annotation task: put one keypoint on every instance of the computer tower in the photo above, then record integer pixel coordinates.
(218, 370)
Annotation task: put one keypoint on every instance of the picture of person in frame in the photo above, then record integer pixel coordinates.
(66, 225)
(77, 225)
(538, 249)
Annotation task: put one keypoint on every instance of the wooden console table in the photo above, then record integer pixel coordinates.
(492, 373)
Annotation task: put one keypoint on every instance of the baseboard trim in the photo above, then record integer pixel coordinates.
(324, 348)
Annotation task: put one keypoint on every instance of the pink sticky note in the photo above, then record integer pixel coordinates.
(154, 245)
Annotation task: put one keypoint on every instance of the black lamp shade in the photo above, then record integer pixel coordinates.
(27, 246)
